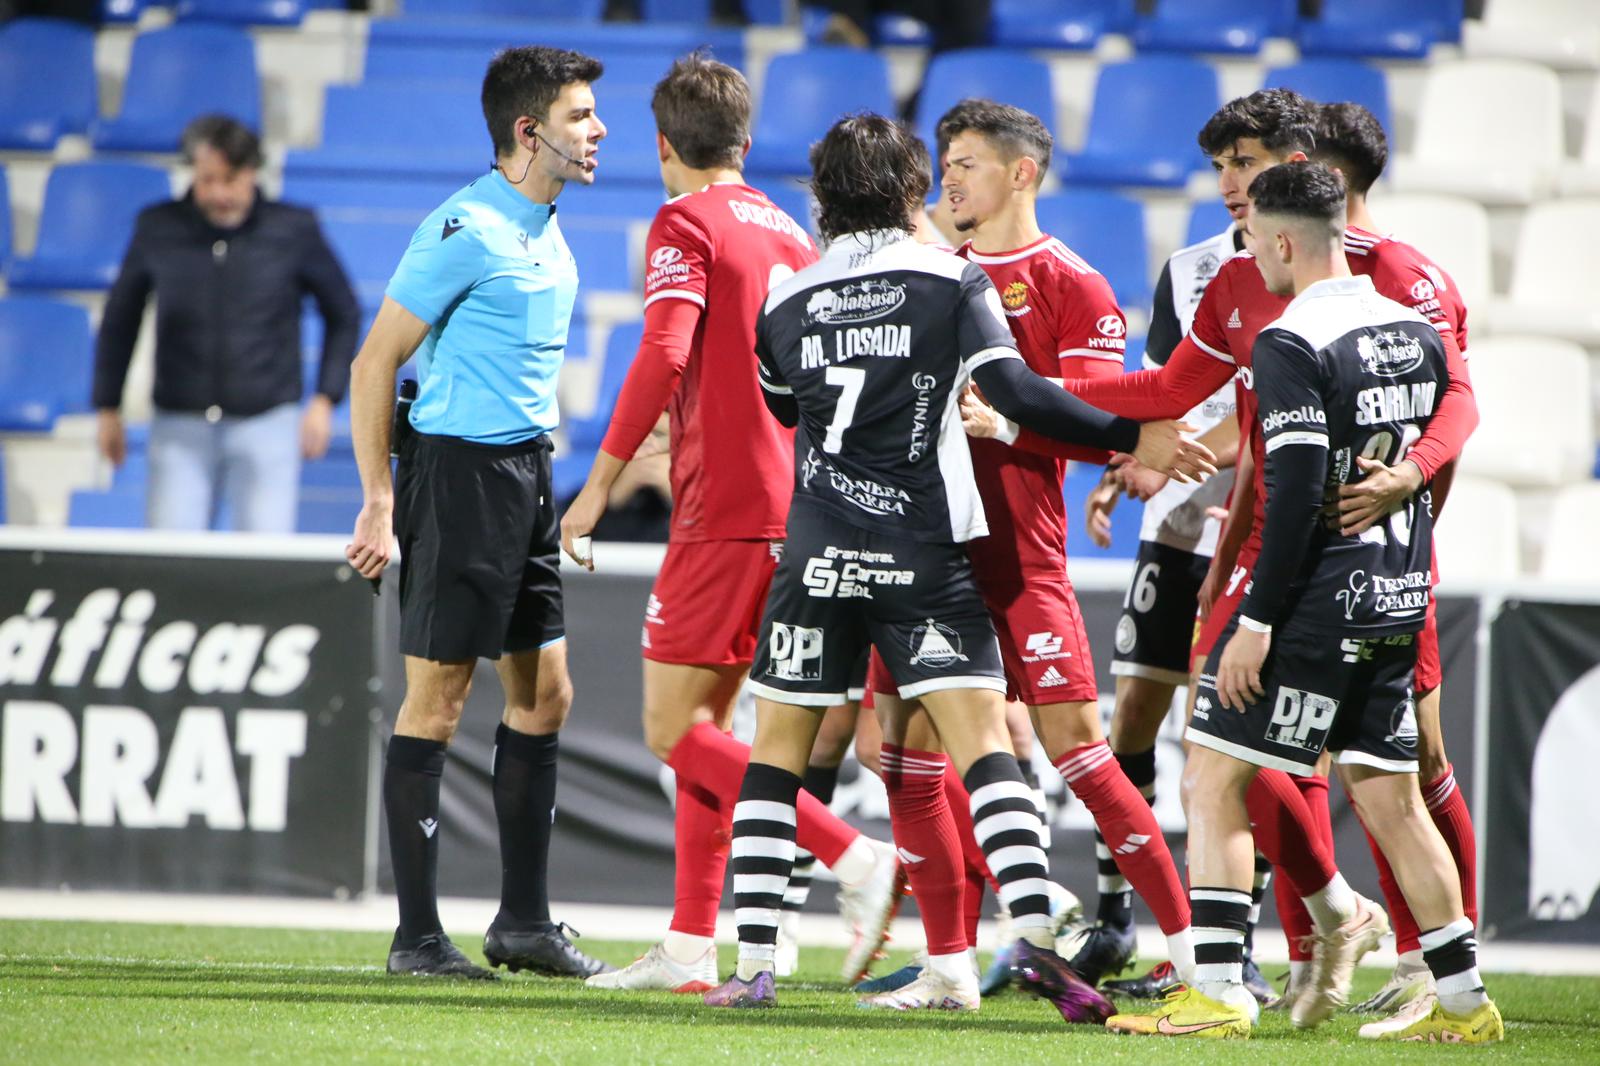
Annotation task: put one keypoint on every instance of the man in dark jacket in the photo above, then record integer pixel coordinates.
(229, 270)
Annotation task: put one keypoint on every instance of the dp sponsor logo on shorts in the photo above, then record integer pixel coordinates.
(1301, 719)
(795, 653)
(935, 645)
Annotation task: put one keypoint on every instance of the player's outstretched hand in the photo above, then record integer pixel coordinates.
(372, 544)
(1364, 503)
(1097, 508)
(1163, 447)
(1137, 480)
(977, 417)
(579, 521)
(1239, 672)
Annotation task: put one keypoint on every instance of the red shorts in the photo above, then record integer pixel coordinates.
(1430, 673)
(705, 608)
(1223, 609)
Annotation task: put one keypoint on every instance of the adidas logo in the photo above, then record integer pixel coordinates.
(1134, 842)
(429, 826)
(1233, 320)
(1051, 678)
(910, 858)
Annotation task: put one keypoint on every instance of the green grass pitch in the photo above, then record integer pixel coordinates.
(78, 992)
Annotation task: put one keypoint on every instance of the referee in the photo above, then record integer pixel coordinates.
(483, 296)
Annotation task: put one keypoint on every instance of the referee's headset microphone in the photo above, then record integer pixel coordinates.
(533, 131)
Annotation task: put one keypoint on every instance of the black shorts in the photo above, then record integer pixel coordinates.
(1352, 696)
(858, 677)
(480, 549)
(841, 588)
(1156, 629)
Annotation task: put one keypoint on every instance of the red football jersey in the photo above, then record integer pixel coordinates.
(732, 463)
(1067, 325)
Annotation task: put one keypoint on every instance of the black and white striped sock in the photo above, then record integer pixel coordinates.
(821, 782)
(1219, 917)
(1006, 824)
(763, 856)
(1451, 952)
(1258, 892)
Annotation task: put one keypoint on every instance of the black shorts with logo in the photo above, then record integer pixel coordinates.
(1157, 626)
(841, 588)
(480, 548)
(1351, 695)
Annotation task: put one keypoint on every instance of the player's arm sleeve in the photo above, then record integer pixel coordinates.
(438, 267)
(1165, 331)
(775, 391)
(325, 280)
(119, 323)
(668, 337)
(678, 254)
(1294, 427)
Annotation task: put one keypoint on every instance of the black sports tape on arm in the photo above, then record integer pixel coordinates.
(1050, 411)
(783, 408)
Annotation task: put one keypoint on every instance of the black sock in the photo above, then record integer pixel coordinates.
(763, 857)
(820, 781)
(411, 774)
(525, 808)
(1258, 892)
(998, 795)
(1030, 776)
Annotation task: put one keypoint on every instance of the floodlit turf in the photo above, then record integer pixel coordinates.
(73, 992)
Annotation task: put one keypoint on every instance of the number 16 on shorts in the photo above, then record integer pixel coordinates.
(794, 653)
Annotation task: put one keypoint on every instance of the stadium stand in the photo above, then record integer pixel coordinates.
(1009, 77)
(1537, 421)
(177, 74)
(361, 135)
(46, 356)
(7, 248)
(1206, 219)
(1107, 230)
(1461, 99)
(1558, 33)
(805, 92)
(1477, 531)
(1337, 79)
(1064, 24)
(1568, 552)
(246, 12)
(1222, 26)
(584, 433)
(89, 210)
(1143, 123)
(111, 509)
(47, 82)
(1581, 176)
(1381, 28)
(1553, 278)
(1455, 231)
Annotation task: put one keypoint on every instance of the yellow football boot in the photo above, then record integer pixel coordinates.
(1482, 1026)
(1186, 1012)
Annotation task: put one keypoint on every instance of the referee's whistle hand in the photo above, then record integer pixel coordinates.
(372, 544)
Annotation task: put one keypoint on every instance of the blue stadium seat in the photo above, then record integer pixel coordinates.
(87, 220)
(1133, 354)
(1056, 23)
(355, 195)
(114, 509)
(47, 82)
(601, 248)
(368, 251)
(581, 10)
(1381, 28)
(603, 200)
(1206, 219)
(7, 248)
(1227, 26)
(246, 12)
(412, 131)
(1142, 127)
(1107, 230)
(46, 362)
(792, 197)
(177, 74)
(996, 73)
(328, 510)
(391, 58)
(1082, 477)
(604, 40)
(122, 10)
(621, 346)
(4, 508)
(628, 154)
(805, 93)
(1335, 81)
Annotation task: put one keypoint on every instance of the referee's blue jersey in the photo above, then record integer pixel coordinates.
(491, 273)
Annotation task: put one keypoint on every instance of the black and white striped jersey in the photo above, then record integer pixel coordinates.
(875, 341)
(1343, 373)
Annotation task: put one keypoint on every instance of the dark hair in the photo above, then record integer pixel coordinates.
(1013, 132)
(235, 141)
(1302, 189)
(1281, 119)
(1351, 138)
(526, 81)
(868, 173)
(703, 108)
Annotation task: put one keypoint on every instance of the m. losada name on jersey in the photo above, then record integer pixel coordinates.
(887, 341)
(118, 750)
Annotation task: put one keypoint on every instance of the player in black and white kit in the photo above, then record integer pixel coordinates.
(1321, 652)
(867, 352)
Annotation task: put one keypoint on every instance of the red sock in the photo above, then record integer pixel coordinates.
(972, 884)
(713, 760)
(1286, 834)
(1292, 913)
(1129, 828)
(702, 831)
(1454, 821)
(928, 841)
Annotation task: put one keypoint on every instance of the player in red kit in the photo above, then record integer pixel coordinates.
(1067, 325)
(1247, 136)
(714, 250)
(1351, 140)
